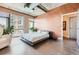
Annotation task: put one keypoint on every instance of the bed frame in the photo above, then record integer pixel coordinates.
(31, 43)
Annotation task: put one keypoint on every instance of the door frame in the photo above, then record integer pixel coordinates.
(62, 17)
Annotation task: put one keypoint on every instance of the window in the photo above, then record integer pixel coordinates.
(3, 21)
(31, 24)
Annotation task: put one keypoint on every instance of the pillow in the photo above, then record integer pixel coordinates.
(1, 30)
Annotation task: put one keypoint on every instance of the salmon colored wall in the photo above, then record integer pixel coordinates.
(52, 19)
(26, 17)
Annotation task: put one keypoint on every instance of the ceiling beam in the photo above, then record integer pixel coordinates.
(27, 5)
(42, 8)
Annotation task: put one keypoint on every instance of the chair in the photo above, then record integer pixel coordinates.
(5, 40)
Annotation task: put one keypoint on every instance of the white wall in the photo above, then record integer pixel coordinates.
(78, 28)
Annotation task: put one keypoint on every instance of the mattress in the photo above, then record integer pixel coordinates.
(35, 36)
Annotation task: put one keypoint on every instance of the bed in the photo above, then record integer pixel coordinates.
(34, 37)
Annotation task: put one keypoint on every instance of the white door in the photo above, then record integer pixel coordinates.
(72, 27)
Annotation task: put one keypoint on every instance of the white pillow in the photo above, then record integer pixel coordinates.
(1, 30)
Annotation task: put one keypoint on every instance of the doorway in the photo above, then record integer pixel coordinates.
(70, 26)
(73, 27)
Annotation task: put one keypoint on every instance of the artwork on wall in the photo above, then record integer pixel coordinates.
(64, 25)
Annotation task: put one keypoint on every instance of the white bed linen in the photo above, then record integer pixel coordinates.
(35, 36)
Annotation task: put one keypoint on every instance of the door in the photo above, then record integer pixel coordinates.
(72, 27)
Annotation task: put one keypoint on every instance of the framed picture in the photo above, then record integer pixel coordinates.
(64, 25)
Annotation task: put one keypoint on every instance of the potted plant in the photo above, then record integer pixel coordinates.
(33, 29)
(8, 30)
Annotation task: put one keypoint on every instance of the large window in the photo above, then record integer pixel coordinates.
(3, 21)
(18, 23)
(31, 24)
